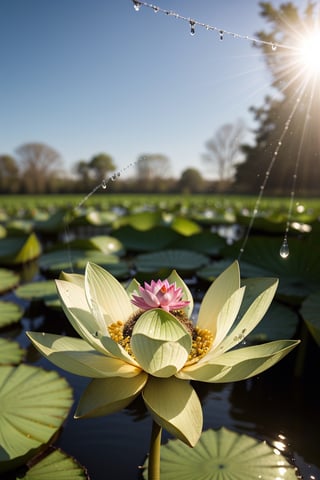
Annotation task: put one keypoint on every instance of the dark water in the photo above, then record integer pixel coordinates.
(276, 403)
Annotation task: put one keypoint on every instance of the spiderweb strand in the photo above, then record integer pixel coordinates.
(221, 31)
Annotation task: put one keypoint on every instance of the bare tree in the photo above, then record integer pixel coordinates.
(224, 149)
(39, 164)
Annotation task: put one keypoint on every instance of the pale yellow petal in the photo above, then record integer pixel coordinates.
(76, 309)
(257, 299)
(160, 343)
(227, 316)
(76, 278)
(175, 406)
(106, 296)
(217, 295)
(186, 294)
(76, 356)
(250, 361)
(109, 395)
(204, 372)
(241, 363)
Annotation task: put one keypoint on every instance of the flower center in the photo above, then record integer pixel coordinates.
(201, 338)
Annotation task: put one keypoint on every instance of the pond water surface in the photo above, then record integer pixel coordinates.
(276, 406)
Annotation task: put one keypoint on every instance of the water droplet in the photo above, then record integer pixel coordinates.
(136, 5)
(221, 33)
(104, 184)
(155, 9)
(192, 29)
(274, 47)
(113, 177)
(284, 250)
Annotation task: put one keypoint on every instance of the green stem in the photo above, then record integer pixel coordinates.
(154, 454)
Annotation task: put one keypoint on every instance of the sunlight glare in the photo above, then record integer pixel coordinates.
(310, 48)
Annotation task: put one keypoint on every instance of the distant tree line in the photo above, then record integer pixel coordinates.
(285, 153)
(37, 168)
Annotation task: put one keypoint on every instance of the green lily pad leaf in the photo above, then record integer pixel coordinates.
(141, 220)
(8, 280)
(55, 465)
(279, 322)
(9, 313)
(154, 239)
(43, 290)
(100, 218)
(298, 273)
(34, 405)
(10, 352)
(18, 250)
(223, 455)
(19, 227)
(3, 231)
(54, 224)
(274, 223)
(211, 271)
(180, 260)
(185, 226)
(75, 260)
(59, 260)
(204, 242)
(310, 312)
(101, 243)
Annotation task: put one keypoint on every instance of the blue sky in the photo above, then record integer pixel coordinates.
(91, 76)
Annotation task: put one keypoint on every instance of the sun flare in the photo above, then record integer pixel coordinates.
(310, 52)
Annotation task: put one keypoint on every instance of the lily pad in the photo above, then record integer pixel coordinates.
(211, 271)
(154, 239)
(180, 260)
(141, 220)
(310, 312)
(54, 224)
(74, 260)
(10, 352)
(42, 290)
(223, 455)
(56, 465)
(103, 243)
(18, 250)
(279, 322)
(204, 242)
(3, 231)
(185, 226)
(34, 405)
(19, 227)
(8, 280)
(9, 313)
(298, 273)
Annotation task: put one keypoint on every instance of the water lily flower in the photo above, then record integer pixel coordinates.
(159, 294)
(143, 340)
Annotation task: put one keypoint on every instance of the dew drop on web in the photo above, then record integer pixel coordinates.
(284, 250)
(136, 5)
(104, 184)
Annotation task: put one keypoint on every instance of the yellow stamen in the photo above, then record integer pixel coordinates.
(201, 344)
(116, 333)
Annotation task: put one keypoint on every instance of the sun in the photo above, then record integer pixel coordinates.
(310, 52)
